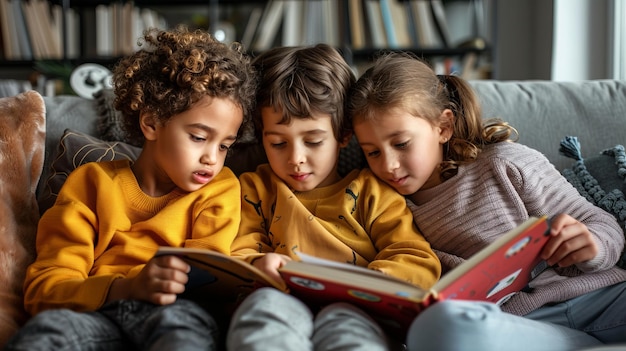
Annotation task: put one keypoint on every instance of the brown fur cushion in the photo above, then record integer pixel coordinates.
(22, 143)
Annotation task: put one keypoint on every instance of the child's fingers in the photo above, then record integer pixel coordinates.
(172, 262)
(571, 243)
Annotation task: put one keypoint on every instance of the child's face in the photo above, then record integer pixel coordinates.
(189, 150)
(303, 153)
(403, 150)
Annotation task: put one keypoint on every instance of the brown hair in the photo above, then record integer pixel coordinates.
(400, 80)
(177, 68)
(302, 81)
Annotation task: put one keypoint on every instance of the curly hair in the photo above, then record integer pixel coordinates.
(401, 80)
(177, 68)
(303, 81)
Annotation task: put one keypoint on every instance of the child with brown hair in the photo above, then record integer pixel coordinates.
(96, 283)
(467, 183)
(300, 203)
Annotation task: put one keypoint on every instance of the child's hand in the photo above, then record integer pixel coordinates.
(571, 242)
(269, 264)
(161, 279)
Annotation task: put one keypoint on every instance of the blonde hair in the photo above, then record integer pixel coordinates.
(402, 81)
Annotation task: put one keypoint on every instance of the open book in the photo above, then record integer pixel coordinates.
(493, 274)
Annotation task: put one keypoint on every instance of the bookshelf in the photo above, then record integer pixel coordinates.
(359, 28)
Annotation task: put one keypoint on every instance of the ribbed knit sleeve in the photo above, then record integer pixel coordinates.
(506, 184)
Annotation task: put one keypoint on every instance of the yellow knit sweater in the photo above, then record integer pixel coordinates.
(103, 227)
(358, 220)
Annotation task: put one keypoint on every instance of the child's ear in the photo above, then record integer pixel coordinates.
(345, 139)
(446, 125)
(148, 125)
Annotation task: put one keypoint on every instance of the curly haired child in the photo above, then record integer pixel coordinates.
(467, 183)
(96, 283)
(300, 203)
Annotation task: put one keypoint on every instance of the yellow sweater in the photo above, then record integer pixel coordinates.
(358, 220)
(103, 227)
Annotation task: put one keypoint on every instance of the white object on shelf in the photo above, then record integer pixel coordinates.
(89, 78)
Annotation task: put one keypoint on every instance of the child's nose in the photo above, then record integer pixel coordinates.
(209, 156)
(297, 156)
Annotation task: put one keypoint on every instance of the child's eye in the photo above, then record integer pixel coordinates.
(372, 153)
(224, 147)
(314, 143)
(402, 145)
(278, 145)
(196, 138)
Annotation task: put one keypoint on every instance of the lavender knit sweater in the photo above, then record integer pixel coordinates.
(506, 184)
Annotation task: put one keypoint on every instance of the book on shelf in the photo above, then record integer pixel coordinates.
(427, 35)
(313, 24)
(104, 34)
(40, 45)
(402, 28)
(293, 17)
(356, 17)
(251, 27)
(23, 36)
(10, 47)
(46, 21)
(494, 274)
(269, 25)
(375, 21)
(440, 21)
(388, 24)
(330, 22)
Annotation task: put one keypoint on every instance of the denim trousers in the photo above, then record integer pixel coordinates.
(269, 319)
(120, 325)
(585, 322)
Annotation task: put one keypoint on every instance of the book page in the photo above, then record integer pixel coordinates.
(349, 267)
(218, 274)
(313, 267)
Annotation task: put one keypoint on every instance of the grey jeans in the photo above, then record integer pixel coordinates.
(121, 325)
(584, 322)
(272, 320)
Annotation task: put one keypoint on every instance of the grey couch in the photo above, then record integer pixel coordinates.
(543, 112)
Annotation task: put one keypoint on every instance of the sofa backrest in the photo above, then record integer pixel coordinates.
(544, 112)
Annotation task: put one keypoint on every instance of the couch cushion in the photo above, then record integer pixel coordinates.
(76, 148)
(22, 140)
(62, 112)
(110, 121)
(545, 111)
(600, 179)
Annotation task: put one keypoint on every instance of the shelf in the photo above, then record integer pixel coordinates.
(361, 54)
(238, 14)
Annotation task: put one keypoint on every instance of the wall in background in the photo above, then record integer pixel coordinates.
(582, 32)
(554, 40)
(523, 41)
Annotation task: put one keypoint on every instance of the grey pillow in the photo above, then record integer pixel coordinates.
(110, 121)
(75, 149)
(600, 179)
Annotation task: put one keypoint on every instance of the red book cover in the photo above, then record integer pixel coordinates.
(495, 273)
(501, 269)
